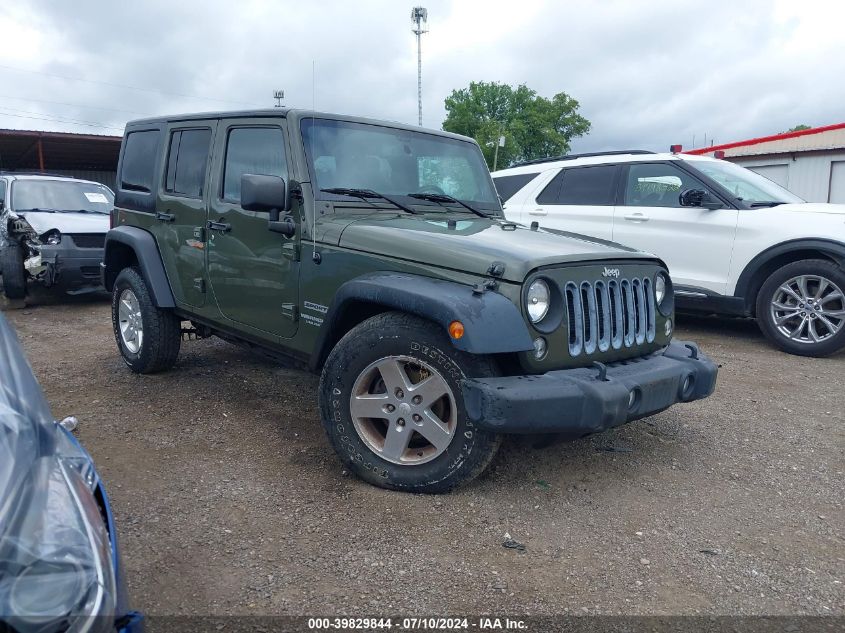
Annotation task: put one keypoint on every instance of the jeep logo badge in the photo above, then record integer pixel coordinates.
(610, 272)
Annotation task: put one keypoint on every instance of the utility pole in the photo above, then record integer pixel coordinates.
(500, 142)
(419, 16)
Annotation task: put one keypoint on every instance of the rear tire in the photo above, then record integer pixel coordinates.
(801, 308)
(148, 337)
(405, 371)
(12, 268)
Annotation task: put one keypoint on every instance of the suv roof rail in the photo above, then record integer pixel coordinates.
(552, 159)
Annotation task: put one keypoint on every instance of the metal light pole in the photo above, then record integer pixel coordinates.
(419, 16)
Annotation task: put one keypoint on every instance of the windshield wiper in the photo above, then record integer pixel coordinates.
(84, 211)
(38, 210)
(765, 203)
(440, 198)
(367, 194)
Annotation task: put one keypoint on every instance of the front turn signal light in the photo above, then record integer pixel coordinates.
(456, 329)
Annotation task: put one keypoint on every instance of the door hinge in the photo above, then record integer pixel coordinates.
(199, 284)
(290, 311)
(291, 250)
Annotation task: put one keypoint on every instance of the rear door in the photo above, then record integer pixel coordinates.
(254, 273)
(577, 199)
(696, 243)
(181, 208)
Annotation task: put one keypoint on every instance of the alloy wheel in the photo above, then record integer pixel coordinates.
(403, 410)
(129, 321)
(808, 309)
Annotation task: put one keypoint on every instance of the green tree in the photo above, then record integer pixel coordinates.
(797, 128)
(533, 126)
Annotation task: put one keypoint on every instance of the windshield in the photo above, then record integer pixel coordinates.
(744, 183)
(61, 195)
(396, 162)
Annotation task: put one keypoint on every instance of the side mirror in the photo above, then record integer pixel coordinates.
(264, 193)
(699, 198)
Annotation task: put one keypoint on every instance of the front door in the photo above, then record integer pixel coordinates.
(696, 243)
(181, 209)
(253, 272)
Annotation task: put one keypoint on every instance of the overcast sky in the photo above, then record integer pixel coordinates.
(647, 74)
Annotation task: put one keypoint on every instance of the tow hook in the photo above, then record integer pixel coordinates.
(602, 369)
(693, 348)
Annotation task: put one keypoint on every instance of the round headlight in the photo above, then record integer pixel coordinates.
(663, 295)
(660, 287)
(537, 300)
(52, 237)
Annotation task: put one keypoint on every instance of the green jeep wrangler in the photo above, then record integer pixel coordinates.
(377, 255)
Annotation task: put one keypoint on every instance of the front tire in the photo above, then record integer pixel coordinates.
(801, 308)
(148, 337)
(14, 273)
(391, 405)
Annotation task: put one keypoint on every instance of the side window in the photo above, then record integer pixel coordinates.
(507, 186)
(252, 150)
(139, 158)
(186, 162)
(657, 185)
(593, 186)
(2, 193)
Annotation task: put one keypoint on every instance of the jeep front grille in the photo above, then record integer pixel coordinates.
(609, 314)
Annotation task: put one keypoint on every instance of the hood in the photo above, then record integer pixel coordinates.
(812, 207)
(475, 243)
(68, 223)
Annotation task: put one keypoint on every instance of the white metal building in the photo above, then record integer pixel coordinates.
(810, 163)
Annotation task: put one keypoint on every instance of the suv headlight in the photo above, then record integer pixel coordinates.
(663, 294)
(537, 300)
(52, 237)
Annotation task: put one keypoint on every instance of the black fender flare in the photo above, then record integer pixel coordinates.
(492, 323)
(833, 249)
(149, 261)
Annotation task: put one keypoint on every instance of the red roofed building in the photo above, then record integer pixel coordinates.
(810, 163)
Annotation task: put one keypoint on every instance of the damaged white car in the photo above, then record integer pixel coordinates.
(52, 231)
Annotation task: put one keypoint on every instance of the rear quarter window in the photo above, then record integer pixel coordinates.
(139, 158)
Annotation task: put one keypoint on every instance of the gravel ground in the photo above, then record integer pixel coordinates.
(229, 500)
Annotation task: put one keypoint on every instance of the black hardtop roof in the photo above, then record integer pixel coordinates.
(297, 113)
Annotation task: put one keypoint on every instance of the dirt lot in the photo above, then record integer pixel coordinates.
(229, 499)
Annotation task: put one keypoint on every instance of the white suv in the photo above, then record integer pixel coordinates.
(735, 242)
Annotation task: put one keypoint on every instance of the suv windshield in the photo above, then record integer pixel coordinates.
(61, 195)
(743, 183)
(396, 162)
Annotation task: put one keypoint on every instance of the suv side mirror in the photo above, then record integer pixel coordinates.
(268, 193)
(699, 198)
(264, 193)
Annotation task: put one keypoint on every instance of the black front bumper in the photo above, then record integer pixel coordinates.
(70, 267)
(578, 402)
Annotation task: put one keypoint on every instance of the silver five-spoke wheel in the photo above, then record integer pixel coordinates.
(129, 321)
(403, 410)
(808, 309)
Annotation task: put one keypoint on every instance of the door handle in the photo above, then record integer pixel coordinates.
(636, 217)
(538, 211)
(165, 217)
(223, 227)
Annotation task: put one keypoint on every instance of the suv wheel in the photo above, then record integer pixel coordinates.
(148, 337)
(801, 308)
(12, 269)
(391, 404)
